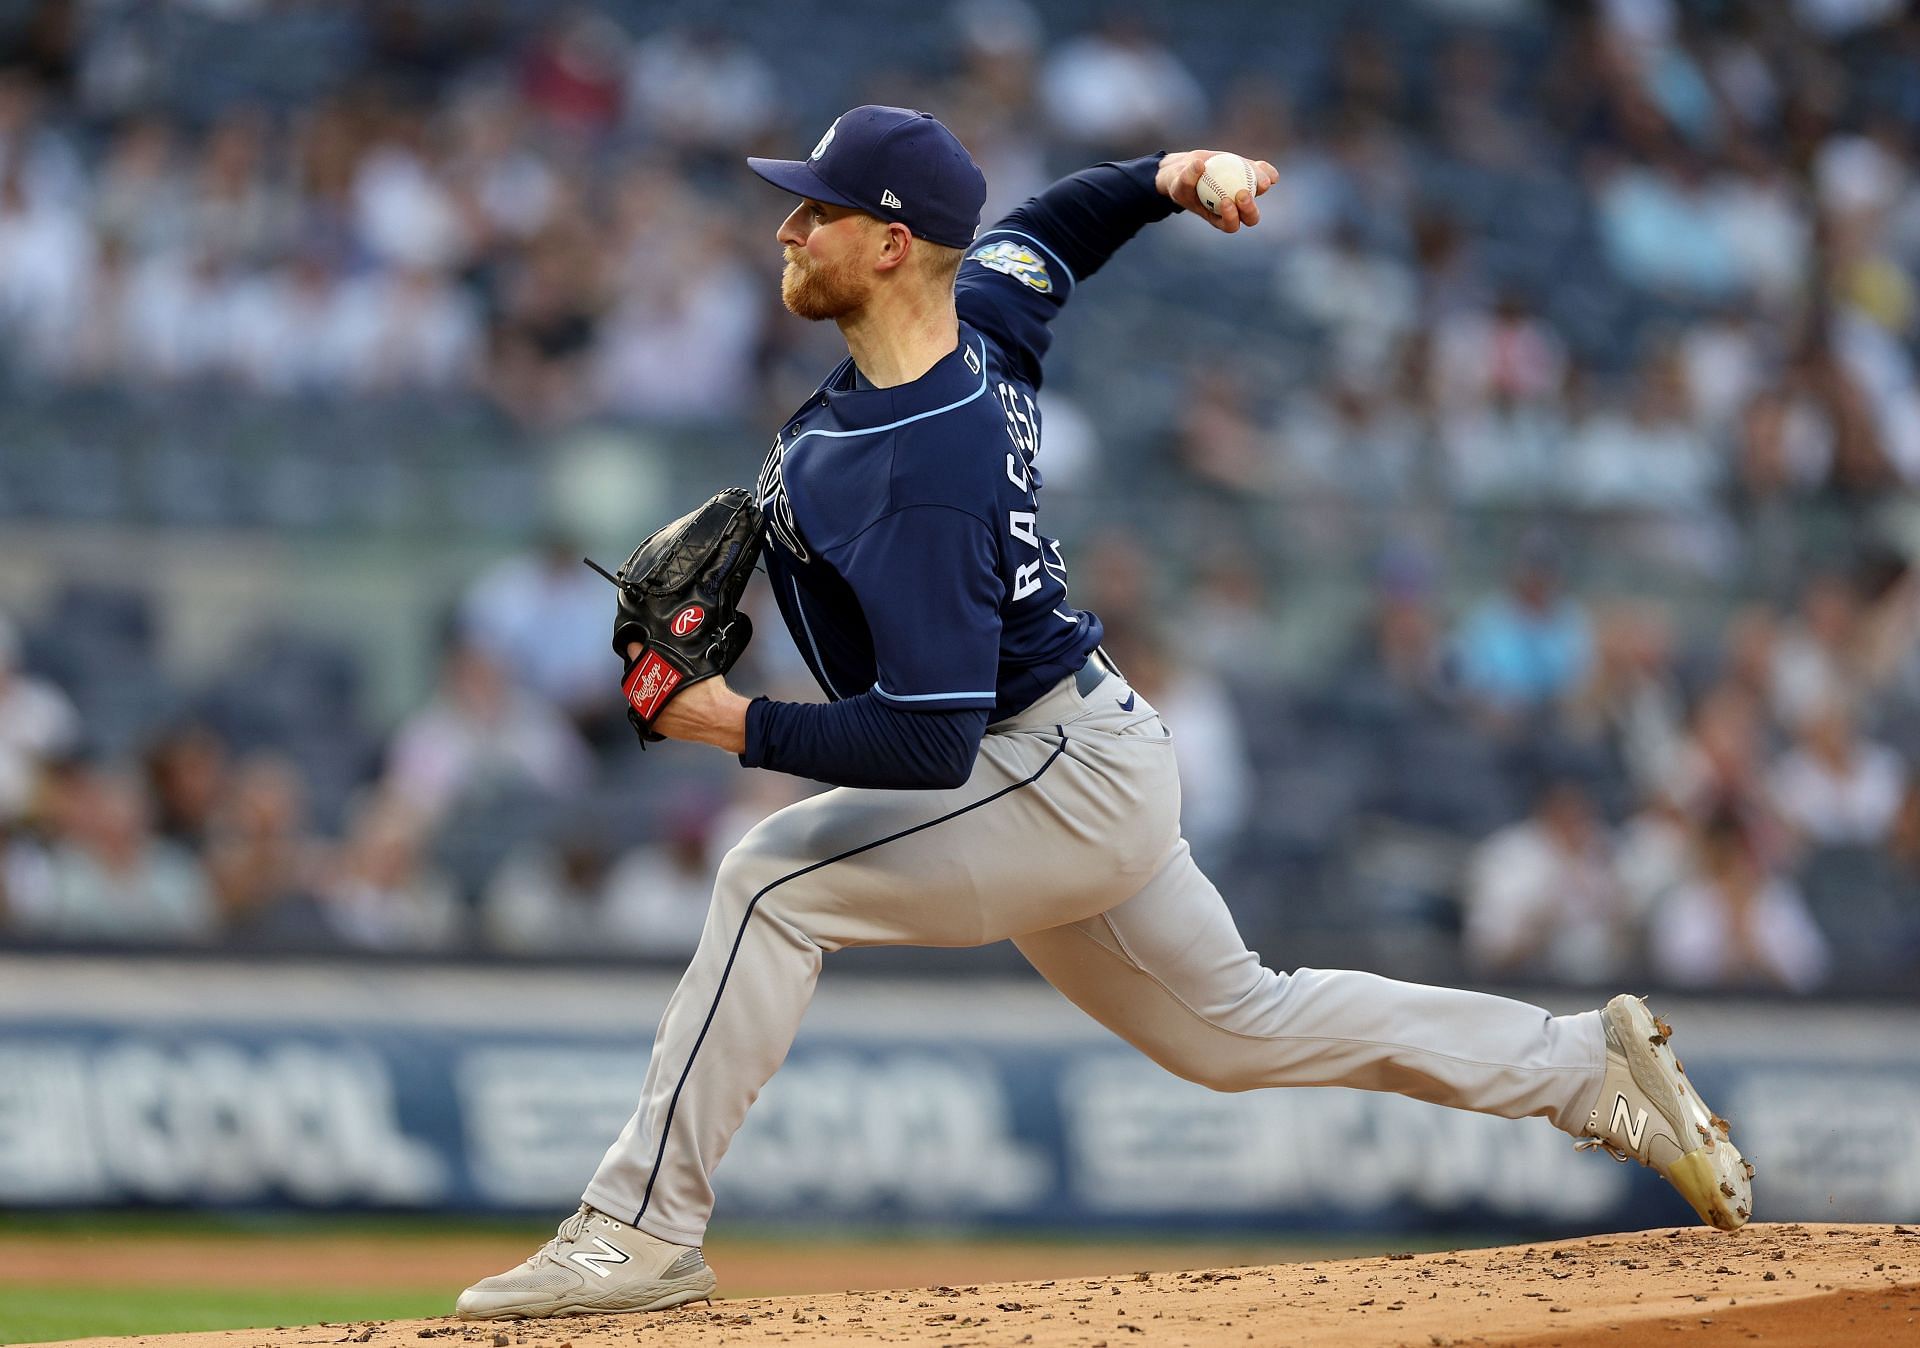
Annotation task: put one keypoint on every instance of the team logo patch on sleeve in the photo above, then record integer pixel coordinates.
(1015, 260)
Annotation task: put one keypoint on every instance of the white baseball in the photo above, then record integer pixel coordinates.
(1226, 177)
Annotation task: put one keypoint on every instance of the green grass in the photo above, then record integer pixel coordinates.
(31, 1316)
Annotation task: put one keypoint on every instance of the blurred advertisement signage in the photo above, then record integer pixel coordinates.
(973, 1131)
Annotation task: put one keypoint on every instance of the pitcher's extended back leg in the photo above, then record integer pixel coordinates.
(1168, 972)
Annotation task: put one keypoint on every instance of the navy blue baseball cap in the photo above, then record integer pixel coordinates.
(894, 163)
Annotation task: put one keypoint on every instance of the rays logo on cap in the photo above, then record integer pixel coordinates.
(825, 141)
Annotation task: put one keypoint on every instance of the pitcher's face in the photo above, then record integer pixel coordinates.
(824, 247)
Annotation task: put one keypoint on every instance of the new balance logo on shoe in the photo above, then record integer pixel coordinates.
(609, 1254)
(1623, 1122)
(890, 201)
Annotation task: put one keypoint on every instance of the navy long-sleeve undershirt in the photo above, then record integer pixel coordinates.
(1086, 216)
(861, 741)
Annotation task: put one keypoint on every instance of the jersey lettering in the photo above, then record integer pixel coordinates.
(1026, 580)
(1058, 566)
(771, 490)
(1023, 419)
(1021, 524)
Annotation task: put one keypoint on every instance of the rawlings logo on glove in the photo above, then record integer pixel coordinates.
(679, 599)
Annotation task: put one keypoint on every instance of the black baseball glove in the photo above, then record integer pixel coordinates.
(680, 598)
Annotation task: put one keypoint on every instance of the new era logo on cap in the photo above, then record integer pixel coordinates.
(876, 159)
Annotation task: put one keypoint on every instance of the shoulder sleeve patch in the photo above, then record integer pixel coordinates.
(1023, 264)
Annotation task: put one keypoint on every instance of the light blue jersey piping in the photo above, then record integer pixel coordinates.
(926, 697)
(904, 421)
(800, 607)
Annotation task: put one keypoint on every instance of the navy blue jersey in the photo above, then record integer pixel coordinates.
(904, 544)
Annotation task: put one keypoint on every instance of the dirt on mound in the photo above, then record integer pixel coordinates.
(1774, 1284)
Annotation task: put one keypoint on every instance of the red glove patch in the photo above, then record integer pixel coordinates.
(649, 684)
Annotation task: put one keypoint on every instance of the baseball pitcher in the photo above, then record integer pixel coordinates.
(996, 777)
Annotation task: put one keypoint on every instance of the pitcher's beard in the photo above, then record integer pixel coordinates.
(818, 294)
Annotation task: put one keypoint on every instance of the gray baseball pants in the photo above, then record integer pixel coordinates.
(1066, 839)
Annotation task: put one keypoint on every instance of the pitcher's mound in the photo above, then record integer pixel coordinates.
(1769, 1284)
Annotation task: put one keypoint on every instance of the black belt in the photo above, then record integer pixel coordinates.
(1089, 676)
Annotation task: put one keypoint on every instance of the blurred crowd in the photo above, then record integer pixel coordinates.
(1647, 265)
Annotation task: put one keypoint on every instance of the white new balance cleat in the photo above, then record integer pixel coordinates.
(594, 1265)
(1648, 1112)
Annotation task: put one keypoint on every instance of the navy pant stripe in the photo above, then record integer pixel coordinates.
(667, 1126)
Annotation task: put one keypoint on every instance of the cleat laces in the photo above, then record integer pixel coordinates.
(570, 1230)
(1608, 1145)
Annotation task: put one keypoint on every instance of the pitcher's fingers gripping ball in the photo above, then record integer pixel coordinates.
(1218, 186)
(680, 604)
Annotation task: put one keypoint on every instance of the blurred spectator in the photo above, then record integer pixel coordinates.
(1664, 231)
(1365, 300)
(1231, 624)
(697, 87)
(1401, 657)
(994, 98)
(1655, 855)
(1470, 111)
(507, 190)
(1738, 924)
(1903, 835)
(140, 198)
(37, 723)
(1542, 899)
(44, 256)
(33, 144)
(1216, 778)
(1508, 357)
(106, 876)
(234, 209)
(574, 74)
(549, 897)
(1631, 699)
(380, 892)
(1835, 788)
(1355, 440)
(1720, 362)
(540, 350)
(1759, 209)
(1813, 656)
(1216, 440)
(402, 212)
(479, 735)
(657, 895)
(187, 774)
(1119, 87)
(680, 339)
(547, 620)
(1449, 271)
(1504, 452)
(1648, 457)
(1721, 769)
(266, 864)
(1529, 645)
